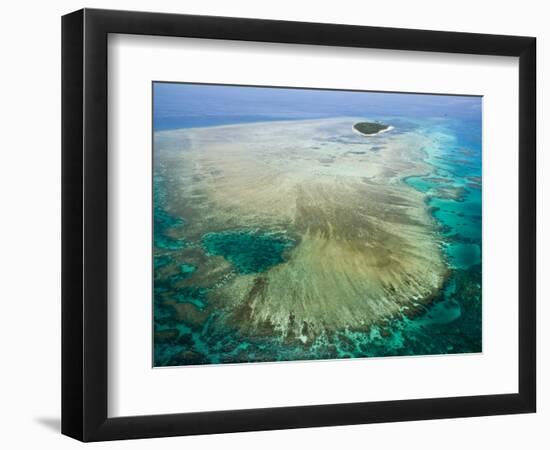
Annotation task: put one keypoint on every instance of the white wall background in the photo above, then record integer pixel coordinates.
(30, 225)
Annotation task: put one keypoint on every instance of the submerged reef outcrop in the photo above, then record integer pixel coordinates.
(291, 234)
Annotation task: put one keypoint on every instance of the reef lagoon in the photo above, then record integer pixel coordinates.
(282, 234)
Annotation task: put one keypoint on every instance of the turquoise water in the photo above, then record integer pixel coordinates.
(164, 222)
(450, 324)
(248, 251)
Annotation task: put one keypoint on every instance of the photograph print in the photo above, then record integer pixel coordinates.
(313, 224)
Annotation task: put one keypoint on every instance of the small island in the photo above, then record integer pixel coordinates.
(370, 128)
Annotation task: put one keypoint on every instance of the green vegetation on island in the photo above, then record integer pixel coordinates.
(370, 127)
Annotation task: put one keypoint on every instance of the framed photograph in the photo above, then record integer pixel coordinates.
(273, 224)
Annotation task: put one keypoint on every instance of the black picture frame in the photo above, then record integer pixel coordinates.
(84, 224)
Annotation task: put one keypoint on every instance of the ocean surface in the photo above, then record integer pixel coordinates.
(452, 323)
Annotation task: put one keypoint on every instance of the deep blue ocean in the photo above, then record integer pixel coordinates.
(451, 324)
(179, 105)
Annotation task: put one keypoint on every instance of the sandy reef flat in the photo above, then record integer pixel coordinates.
(364, 248)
